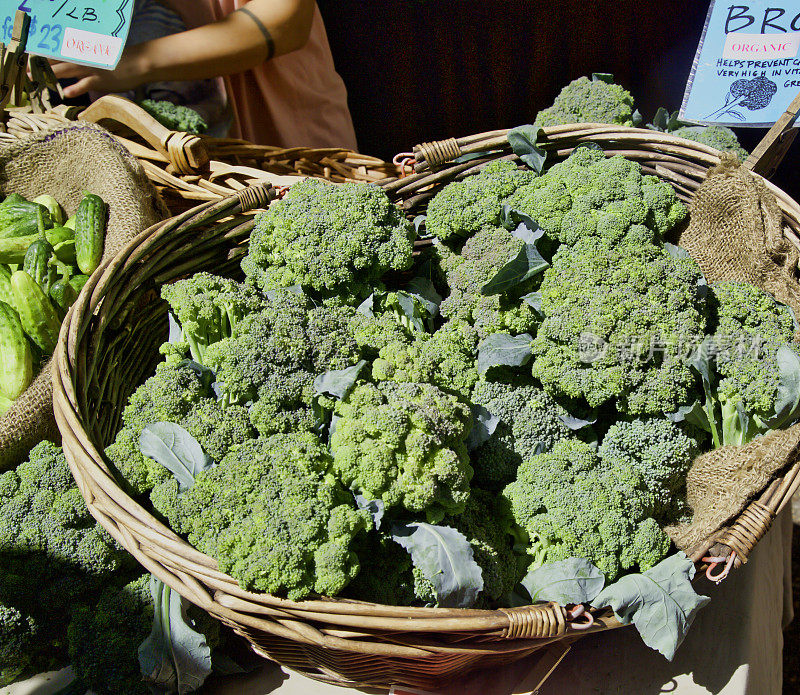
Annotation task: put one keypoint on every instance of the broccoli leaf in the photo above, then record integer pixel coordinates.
(574, 580)
(294, 289)
(576, 423)
(661, 603)
(338, 382)
(423, 290)
(534, 301)
(787, 398)
(445, 558)
(484, 424)
(175, 449)
(525, 265)
(504, 350)
(174, 658)
(418, 221)
(523, 142)
(367, 307)
(603, 77)
(522, 226)
(376, 508)
(175, 330)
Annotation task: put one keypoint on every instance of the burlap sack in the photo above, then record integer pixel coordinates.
(65, 162)
(735, 232)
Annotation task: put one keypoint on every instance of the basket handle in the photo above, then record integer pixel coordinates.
(769, 153)
(186, 153)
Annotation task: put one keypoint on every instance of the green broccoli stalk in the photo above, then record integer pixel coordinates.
(333, 239)
(594, 100)
(404, 444)
(175, 116)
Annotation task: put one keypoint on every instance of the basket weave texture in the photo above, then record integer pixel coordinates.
(189, 169)
(107, 348)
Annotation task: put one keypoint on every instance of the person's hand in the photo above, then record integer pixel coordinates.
(128, 74)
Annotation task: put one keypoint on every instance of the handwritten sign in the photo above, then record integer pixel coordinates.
(92, 32)
(747, 67)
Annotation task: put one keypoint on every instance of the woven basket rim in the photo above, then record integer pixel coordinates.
(190, 572)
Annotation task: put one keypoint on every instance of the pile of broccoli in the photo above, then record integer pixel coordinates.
(536, 392)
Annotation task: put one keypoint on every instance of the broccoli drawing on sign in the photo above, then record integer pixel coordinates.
(751, 94)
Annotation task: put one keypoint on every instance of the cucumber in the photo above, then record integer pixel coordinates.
(90, 232)
(5, 405)
(78, 281)
(5, 286)
(12, 250)
(65, 251)
(16, 358)
(51, 204)
(36, 312)
(37, 262)
(63, 294)
(19, 217)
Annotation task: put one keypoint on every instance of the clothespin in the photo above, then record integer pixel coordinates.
(13, 68)
(42, 79)
(769, 153)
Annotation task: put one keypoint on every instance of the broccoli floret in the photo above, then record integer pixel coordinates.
(404, 444)
(330, 238)
(386, 575)
(589, 101)
(572, 505)
(591, 195)
(617, 320)
(529, 423)
(661, 452)
(373, 333)
(179, 393)
(53, 558)
(468, 271)
(276, 355)
(273, 517)
(717, 136)
(462, 208)
(208, 309)
(750, 348)
(445, 359)
(104, 639)
(175, 116)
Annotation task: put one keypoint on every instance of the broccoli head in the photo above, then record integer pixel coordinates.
(717, 136)
(175, 116)
(617, 321)
(591, 195)
(572, 505)
(208, 309)
(331, 238)
(468, 271)
(53, 558)
(275, 356)
(529, 423)
(661, 452)
(404, 444)
(589, 101)
(273, 517)
(445, 359)
(462, 208)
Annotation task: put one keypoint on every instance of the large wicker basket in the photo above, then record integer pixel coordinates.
(189, 169)
(108, 346)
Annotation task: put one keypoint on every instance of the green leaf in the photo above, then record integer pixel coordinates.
(527, 263)
(636, 118)
(575, 423)
(503, 350)
(522, 226)
(418, 221)
(523, 142)
(603, 77)
(534, 300)
(174, 658)
(367, 307)
(661, 603)
(175, 449)
(787, 398)
(573, 580)
(422, 289)
(338, 382)
(676, 251)
(484, 424)
(444, 556)
(294, 289)
(376, 508)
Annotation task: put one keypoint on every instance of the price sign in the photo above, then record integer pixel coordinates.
(92, 32)
(746, 70)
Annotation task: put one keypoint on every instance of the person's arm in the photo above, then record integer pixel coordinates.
(242, 40)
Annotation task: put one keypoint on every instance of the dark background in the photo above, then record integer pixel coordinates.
(420, 70)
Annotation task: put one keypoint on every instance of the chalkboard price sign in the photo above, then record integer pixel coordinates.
(747, 68)
(92, 32)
